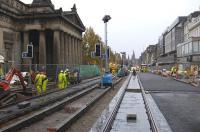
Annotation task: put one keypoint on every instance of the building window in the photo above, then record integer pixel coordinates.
(182, 50)
(186, 49)
(190, 47)
(199, 45)
(179, 51)
(195, 46)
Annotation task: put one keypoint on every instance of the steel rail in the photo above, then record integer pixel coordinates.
(109, 121)
(153, 125)
(43, 113)
(47, 111)
(61, 127)
(21, 112)
(48, 92)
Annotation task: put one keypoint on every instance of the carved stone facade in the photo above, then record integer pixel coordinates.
(56, 35)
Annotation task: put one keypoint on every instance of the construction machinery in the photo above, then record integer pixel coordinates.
(5, 90)
(113, 68)
(144, 68)
(123, 71)
(74, 77)
(106, 80)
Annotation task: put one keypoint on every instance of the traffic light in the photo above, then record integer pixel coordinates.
(108, 52)
(98, 49)
(28, 53)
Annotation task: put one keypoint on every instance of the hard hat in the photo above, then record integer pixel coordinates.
(61, 71)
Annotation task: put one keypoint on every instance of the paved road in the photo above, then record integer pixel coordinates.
(179, 102)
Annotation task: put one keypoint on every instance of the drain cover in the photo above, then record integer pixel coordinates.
(131, 117)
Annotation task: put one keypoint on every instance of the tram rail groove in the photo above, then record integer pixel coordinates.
(27, 110)
(47, 93)
(153, 125)
(107, 124)
(47, 111)
(112, 116)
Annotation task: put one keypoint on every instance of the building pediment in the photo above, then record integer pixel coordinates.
(74, 17)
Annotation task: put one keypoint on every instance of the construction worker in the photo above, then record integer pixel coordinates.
(44, 82)
(1, 71)
(38, 82)
(66, 77)
(61, 80)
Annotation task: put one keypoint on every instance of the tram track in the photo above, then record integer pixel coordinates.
(68, 109)
(13, 111)
(106, 124)
(152, 122)
(49, 91)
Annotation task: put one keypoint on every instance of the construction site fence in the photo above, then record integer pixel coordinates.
(52, 70)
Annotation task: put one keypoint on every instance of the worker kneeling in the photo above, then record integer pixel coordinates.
(61, 80)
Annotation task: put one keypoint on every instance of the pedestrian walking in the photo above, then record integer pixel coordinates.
(134, 72)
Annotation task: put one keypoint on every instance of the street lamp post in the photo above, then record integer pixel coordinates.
(106, 18)
(123, 58)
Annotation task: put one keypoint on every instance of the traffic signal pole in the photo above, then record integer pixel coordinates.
(106, 41)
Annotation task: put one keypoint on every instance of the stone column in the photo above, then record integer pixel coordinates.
(42, 48)
(66, 49)
(26, 42)
(79, 51)
(75, 51)
(72, 51)
(2, 50)
(62, 48)
(17, 49)
(56, 47)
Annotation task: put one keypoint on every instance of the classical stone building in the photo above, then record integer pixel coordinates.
(56, 35)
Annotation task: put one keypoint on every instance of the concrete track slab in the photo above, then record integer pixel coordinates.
(135, 106)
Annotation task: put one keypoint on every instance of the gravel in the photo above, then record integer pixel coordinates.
(85, 122)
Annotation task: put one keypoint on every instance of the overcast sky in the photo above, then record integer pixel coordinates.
(135, 24)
